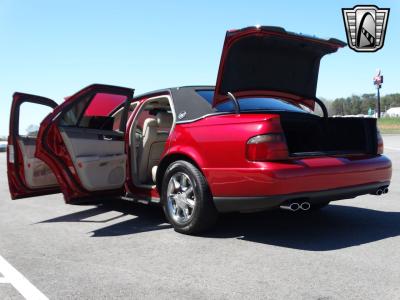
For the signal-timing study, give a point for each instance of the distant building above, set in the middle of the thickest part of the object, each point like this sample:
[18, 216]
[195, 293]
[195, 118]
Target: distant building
[393, 112]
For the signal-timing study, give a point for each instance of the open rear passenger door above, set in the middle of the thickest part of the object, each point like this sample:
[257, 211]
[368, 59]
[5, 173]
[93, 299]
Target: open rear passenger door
[27, 175]
[83, 141]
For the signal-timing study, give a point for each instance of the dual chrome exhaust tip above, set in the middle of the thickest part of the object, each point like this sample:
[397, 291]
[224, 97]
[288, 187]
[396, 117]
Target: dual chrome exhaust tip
[382, 191]
[305, 205]
[295, 206]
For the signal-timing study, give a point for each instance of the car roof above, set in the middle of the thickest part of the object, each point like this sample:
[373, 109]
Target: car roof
[188, 104]
[168, 90]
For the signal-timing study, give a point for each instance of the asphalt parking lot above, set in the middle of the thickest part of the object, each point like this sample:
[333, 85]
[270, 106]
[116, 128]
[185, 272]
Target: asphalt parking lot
[350, 250]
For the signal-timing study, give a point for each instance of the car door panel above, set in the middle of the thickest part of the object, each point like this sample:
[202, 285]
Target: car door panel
[98, 157]
[27, 175]
[37, 174]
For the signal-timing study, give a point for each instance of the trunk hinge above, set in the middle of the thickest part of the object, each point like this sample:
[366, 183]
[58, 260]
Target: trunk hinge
[235, 101]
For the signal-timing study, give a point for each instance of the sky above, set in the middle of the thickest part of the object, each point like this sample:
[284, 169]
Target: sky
[55, 48]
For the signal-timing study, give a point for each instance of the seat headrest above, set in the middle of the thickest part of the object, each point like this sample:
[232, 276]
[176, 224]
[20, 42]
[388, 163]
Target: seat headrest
[164, 119]
[149, 122]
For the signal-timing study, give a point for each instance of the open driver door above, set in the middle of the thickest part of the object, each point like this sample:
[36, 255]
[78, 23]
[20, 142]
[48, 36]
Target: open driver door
[28, 176]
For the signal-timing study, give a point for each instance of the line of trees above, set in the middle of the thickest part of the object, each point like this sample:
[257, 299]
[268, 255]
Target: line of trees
[355, 104]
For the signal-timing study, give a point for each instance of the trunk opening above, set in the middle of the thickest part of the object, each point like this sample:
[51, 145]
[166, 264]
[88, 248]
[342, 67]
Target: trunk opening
[310, 135]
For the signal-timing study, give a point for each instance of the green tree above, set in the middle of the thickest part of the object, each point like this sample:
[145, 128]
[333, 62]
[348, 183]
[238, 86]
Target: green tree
[355, 104]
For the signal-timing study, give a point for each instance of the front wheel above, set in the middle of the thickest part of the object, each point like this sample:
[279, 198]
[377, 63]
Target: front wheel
[186, 199]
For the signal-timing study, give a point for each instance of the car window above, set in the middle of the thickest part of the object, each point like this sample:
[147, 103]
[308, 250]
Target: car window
[30, 117]
[71, 117]
[94, 112]
[144, 115]
[103, 104]
[250, 104]
[118, 116]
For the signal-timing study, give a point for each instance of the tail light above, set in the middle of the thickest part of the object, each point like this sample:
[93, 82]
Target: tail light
[380, 142]
[266, 147]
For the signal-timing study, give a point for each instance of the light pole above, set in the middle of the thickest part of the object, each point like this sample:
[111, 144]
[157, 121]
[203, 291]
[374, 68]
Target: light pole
[378, 80]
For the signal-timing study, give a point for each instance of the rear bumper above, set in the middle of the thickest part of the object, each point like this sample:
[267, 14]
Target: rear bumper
[230, 204]
[259, 179]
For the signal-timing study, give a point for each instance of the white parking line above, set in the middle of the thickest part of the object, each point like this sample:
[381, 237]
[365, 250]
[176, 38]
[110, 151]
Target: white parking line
[20, 283]
[392, 148]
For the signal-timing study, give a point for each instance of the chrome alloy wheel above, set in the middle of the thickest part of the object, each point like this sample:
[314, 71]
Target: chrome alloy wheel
[181, 199]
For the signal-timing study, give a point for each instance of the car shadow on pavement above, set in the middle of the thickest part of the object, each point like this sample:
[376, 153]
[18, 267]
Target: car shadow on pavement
[334, 227]
[146, 218]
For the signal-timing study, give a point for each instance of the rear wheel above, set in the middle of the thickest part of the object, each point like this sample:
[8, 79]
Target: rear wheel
[186, 199]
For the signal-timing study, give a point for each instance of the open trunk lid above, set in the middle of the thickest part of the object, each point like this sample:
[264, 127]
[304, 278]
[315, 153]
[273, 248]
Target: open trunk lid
[269, 61]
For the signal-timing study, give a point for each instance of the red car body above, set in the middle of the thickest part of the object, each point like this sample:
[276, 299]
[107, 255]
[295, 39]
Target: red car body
[217, 143]
[254, 184]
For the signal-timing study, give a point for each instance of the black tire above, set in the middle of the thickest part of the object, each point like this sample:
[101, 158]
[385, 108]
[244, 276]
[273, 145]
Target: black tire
[204, 214]
[319, 206]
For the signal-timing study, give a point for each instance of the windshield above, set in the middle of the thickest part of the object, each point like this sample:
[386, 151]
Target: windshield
[251, 104]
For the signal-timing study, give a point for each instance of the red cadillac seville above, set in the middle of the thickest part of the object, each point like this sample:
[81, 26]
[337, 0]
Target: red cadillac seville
[250, 143]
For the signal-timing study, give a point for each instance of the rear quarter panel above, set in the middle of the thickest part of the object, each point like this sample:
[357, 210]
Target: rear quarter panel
[220, 141]
[217, 144]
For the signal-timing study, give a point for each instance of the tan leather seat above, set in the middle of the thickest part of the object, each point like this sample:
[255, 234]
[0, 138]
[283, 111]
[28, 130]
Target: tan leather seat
[155, 134]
